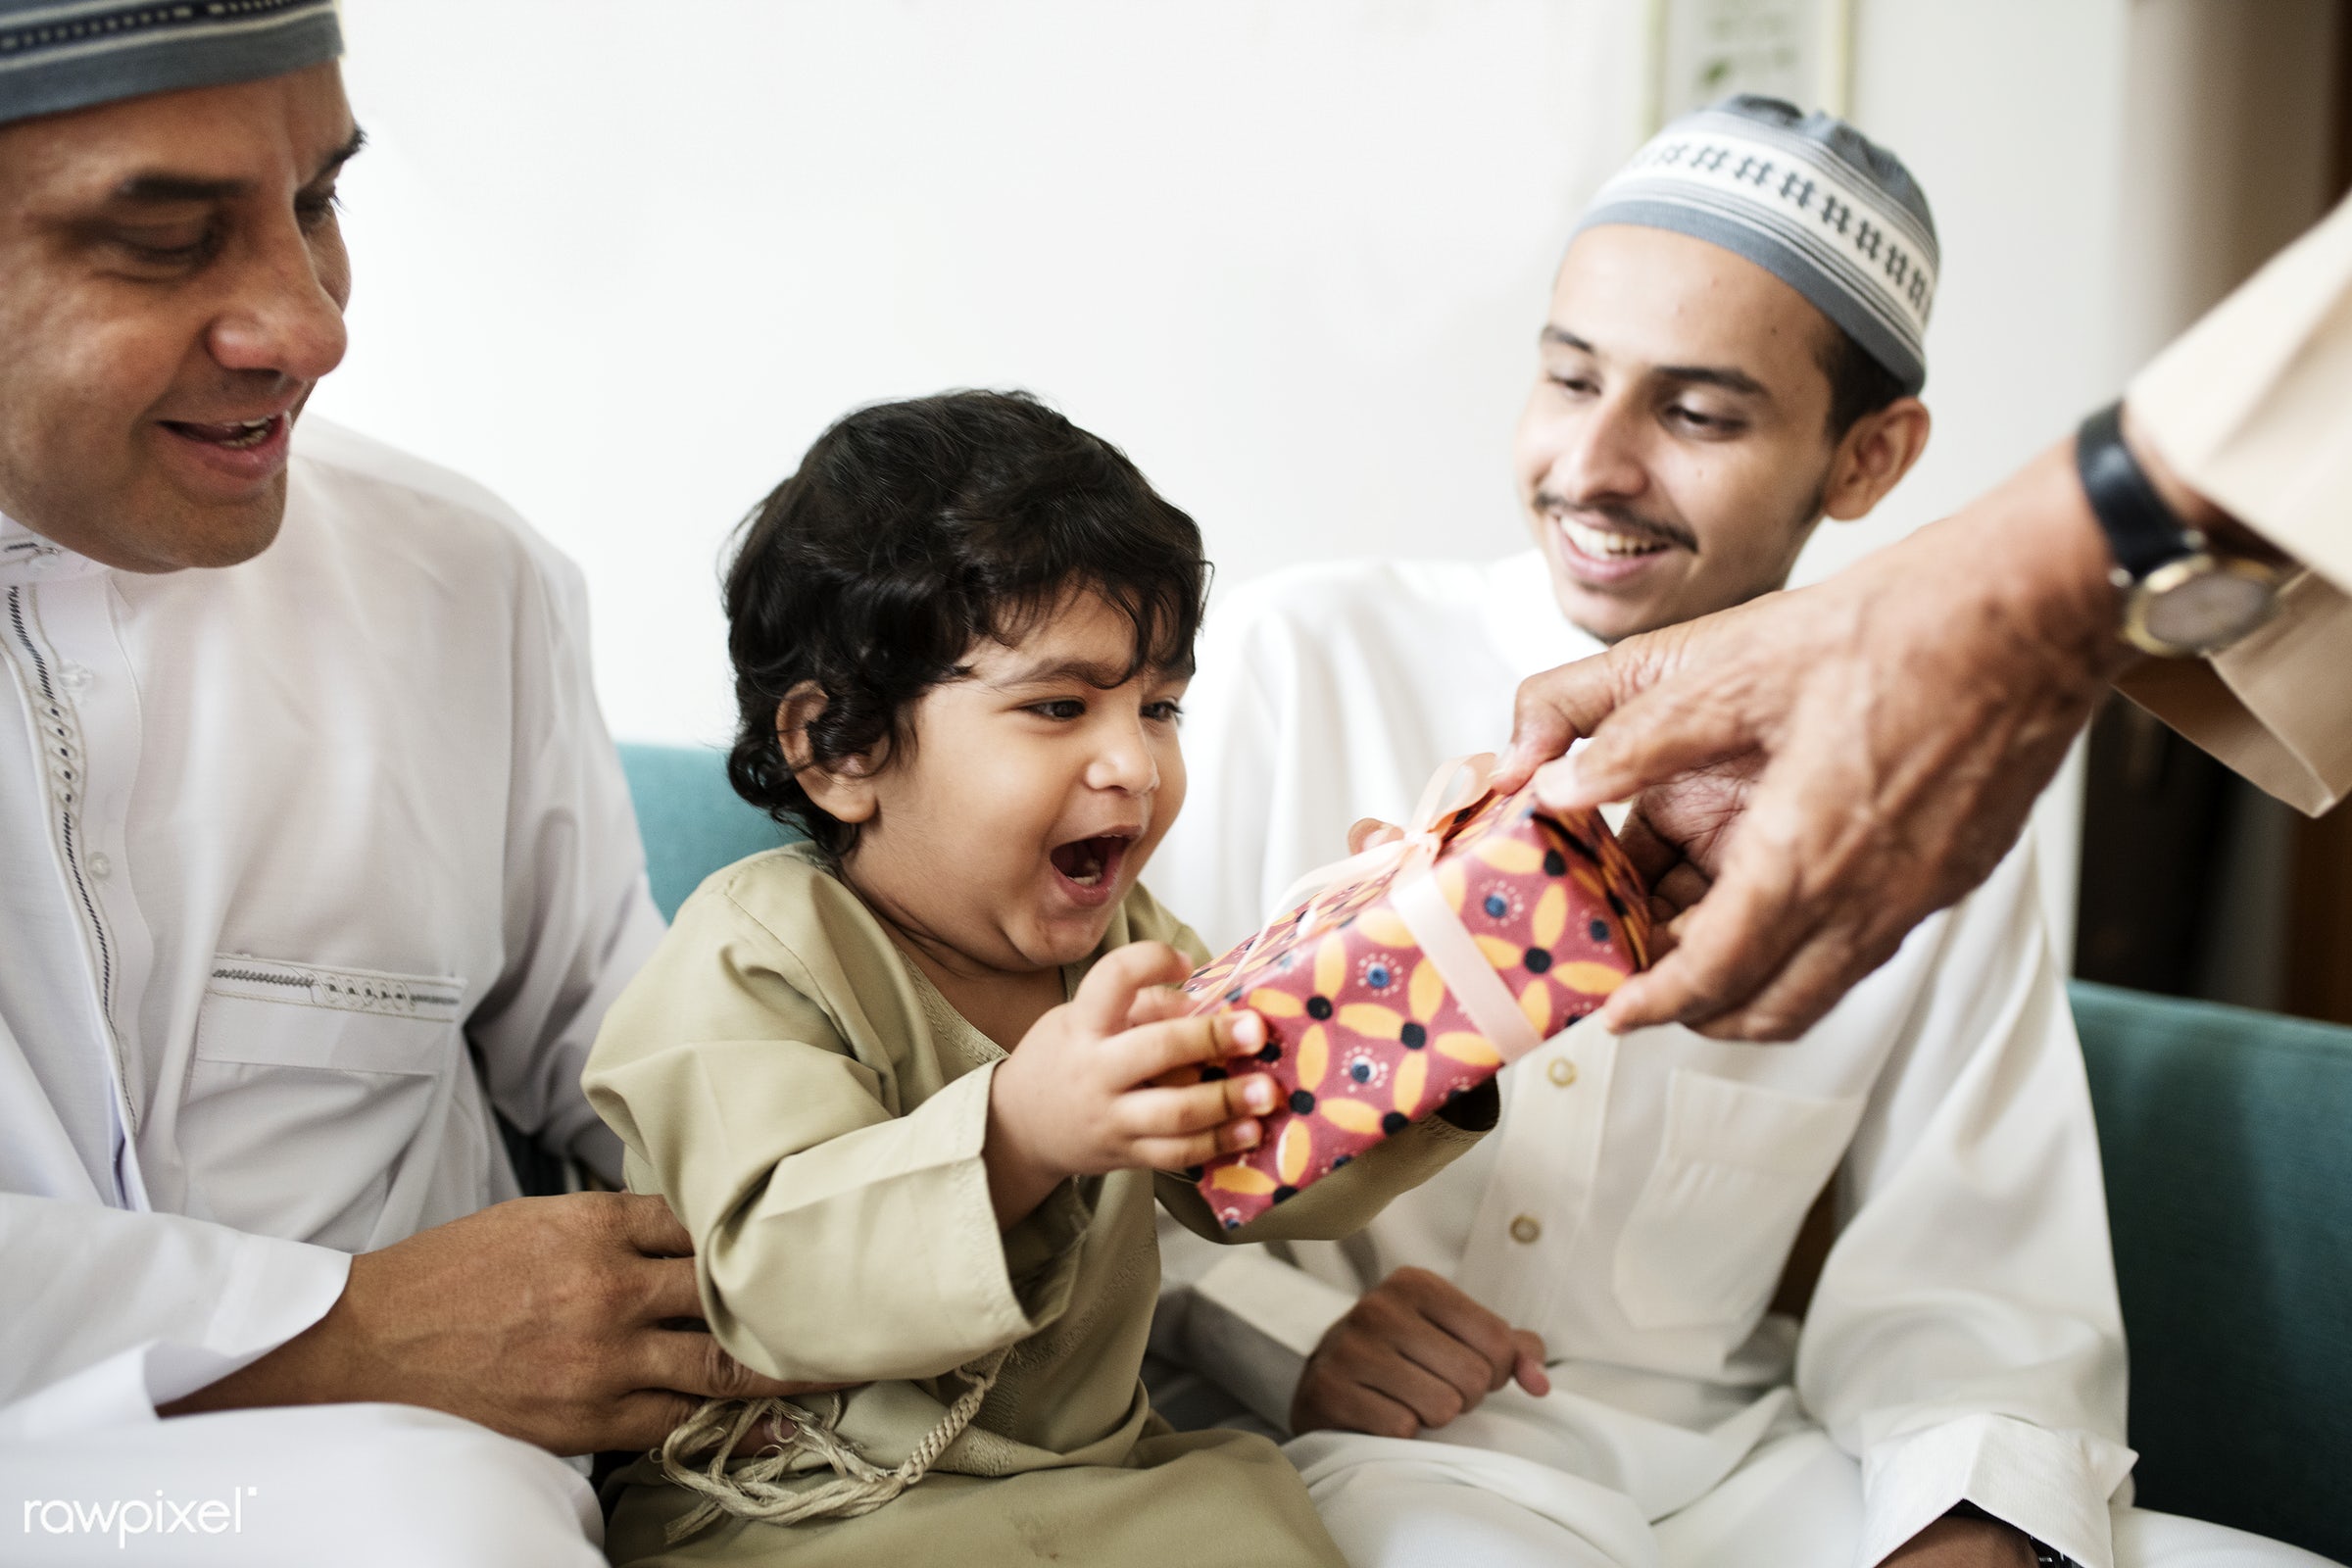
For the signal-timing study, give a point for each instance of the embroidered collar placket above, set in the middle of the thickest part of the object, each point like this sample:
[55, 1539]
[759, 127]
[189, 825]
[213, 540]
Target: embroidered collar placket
[64, 781]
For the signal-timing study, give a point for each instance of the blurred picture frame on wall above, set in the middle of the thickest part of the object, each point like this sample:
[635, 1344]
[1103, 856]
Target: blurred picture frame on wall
[1703, 50]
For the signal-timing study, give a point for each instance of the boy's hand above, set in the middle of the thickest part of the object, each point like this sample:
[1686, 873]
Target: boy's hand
[1079, 1096]
[1413, 1353]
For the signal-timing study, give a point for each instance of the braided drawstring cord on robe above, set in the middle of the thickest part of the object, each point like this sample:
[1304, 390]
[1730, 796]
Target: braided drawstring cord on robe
[697, 1455]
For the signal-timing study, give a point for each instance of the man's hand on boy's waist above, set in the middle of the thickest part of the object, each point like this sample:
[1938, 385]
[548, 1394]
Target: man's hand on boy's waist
[572, 1323]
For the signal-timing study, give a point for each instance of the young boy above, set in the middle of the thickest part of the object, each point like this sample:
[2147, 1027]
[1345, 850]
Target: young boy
[899, 1082]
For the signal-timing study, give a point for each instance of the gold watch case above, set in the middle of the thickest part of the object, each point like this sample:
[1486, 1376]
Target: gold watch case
[2199, 604]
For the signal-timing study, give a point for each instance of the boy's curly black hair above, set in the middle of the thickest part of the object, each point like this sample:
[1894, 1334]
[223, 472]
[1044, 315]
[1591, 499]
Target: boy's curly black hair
[912, 531]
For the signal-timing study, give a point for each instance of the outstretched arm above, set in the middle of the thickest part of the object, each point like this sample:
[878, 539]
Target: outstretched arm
[1819, 770]
[1843, 760]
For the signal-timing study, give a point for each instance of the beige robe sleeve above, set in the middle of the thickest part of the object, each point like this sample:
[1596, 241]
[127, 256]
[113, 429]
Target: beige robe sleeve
[1346, 1201]
[2253, 407]
[837, 1239]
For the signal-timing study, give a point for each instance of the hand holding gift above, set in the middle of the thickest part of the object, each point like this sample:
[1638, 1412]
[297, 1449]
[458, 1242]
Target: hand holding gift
[1122, 1076]
[1421, 966]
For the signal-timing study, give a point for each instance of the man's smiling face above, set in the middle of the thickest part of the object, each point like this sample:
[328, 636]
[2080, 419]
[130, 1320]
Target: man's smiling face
[1675, 452]
[171, 286]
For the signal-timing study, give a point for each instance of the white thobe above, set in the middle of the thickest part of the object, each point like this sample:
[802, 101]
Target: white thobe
[307, 862]
[1639, 1201]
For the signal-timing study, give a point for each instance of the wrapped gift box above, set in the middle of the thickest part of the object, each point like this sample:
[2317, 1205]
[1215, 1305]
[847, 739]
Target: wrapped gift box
[1367, 991]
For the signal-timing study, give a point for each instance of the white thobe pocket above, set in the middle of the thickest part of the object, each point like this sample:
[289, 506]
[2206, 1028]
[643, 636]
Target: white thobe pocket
[1737, 1167]
[320, 1101]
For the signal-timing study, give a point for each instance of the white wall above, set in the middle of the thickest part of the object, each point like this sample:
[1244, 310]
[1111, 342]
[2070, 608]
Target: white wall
[2010, 114]
[1290, 252]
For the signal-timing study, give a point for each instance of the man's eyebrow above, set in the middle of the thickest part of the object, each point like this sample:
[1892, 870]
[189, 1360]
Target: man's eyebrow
[162, 189]
[1725, 377]
[342, 155]
[156, 190]
[1728, 377]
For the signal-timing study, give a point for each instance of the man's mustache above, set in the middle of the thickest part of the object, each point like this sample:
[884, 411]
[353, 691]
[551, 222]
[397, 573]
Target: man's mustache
[1617, 516]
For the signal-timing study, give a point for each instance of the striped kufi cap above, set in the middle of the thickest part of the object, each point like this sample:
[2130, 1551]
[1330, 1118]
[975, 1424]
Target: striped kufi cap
[57, 55]
[1806, 197]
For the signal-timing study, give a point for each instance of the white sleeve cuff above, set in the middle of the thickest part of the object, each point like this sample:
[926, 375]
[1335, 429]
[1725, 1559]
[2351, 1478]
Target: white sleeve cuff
[276, 1290]
[271, 1291]
[1252, 1322]
[2054, 1486]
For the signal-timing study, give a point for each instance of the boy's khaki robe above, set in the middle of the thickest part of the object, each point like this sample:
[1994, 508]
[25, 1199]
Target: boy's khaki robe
[814, 1111]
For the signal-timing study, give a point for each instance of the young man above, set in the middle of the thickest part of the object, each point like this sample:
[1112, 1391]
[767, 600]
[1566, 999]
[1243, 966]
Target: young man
[313, 849]
[1560, 1351]
[2204, 520]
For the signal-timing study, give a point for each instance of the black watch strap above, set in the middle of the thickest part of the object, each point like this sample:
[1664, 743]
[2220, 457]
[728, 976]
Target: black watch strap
[2142, 532]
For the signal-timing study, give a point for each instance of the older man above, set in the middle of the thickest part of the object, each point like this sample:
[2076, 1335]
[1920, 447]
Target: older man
[1733, 351]
[313, 851]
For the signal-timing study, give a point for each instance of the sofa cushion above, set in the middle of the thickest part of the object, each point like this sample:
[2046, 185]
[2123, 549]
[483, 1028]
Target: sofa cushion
[691, 820]
[2227, 1142]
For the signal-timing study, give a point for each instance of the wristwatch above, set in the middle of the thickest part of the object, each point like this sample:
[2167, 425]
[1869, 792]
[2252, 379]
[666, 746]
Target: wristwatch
[2181, 598]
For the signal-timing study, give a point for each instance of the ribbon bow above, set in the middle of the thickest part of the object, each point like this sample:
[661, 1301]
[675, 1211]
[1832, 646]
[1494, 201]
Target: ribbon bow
[1410, 862]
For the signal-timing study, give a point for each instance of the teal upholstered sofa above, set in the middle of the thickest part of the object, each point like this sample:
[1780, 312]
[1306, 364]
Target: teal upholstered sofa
[2228, 1139]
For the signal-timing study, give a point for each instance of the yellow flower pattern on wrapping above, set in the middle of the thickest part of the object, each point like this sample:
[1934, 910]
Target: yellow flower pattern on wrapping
[1364, 1035]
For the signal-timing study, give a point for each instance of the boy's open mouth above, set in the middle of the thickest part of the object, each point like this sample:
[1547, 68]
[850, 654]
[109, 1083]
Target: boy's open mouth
[1091, 863]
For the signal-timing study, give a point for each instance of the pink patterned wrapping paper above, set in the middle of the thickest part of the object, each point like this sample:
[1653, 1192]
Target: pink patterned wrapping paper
[1367, 1036]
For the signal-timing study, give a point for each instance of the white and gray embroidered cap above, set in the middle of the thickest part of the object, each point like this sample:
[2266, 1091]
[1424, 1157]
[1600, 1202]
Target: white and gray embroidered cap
[57, 55]
[1806, 197]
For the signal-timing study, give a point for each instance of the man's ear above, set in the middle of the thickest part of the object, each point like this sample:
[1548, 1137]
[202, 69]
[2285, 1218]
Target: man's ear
[844, 791]
[1874, 457]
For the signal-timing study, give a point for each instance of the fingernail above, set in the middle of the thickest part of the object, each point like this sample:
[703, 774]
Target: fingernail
[1248, 1030]
[1258, 1093]
[1555, 782]
[1246, 1134]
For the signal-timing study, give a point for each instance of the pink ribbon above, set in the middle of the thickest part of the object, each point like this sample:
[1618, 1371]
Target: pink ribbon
[1415, 897]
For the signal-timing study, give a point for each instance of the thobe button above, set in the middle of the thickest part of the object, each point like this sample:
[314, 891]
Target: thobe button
[1526, 1228]
[1562, 1071]
[76, 678]
[101, 868]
